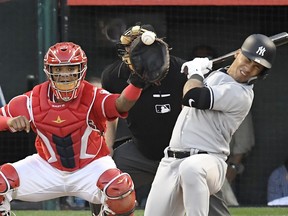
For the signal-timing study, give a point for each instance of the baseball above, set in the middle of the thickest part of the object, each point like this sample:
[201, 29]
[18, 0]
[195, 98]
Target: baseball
[148, 37]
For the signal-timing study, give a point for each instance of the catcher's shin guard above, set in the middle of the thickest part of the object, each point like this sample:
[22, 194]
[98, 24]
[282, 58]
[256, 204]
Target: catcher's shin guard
[9, 179]
[118, 191]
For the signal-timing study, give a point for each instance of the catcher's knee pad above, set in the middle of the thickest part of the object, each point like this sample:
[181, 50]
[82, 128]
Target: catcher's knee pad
[9, 178]
[118, 190]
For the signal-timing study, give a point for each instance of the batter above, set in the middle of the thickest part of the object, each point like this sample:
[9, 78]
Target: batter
[194, 166]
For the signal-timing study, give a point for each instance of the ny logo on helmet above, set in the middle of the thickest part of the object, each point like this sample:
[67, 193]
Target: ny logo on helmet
[261, 50]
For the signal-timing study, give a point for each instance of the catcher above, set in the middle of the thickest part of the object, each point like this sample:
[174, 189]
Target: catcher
[69, 116]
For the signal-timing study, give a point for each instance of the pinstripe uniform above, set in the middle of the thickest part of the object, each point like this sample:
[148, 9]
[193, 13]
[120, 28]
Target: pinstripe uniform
[183, 181]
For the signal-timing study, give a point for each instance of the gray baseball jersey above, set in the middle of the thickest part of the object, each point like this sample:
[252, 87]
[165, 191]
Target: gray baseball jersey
[243, 139]
[230, 103]
[185, 183]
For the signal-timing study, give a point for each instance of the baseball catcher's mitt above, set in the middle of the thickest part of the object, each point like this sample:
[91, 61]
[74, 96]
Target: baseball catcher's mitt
[149, 62]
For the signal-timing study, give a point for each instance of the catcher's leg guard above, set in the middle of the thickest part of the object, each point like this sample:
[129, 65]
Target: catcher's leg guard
[9, 179]
[119, 194]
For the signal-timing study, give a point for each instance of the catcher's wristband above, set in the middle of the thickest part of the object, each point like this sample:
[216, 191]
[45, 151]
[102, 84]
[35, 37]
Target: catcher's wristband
[132, 93]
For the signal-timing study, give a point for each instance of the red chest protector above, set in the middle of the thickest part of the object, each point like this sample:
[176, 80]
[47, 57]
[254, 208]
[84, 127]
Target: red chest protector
[65, 138]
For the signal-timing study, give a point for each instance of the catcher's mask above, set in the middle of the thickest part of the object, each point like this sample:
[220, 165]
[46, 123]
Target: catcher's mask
[261, 49]
[65, 65]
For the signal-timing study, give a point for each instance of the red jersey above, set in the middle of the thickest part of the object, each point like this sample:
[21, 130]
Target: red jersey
[70, 134]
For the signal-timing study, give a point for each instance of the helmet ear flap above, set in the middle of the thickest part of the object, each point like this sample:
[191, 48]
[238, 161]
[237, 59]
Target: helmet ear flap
[261, 76]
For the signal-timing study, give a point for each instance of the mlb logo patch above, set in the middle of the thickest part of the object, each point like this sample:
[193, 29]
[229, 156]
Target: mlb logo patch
[163, 108]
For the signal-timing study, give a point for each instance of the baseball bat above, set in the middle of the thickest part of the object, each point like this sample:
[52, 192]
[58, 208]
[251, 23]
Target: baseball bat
[279, 40]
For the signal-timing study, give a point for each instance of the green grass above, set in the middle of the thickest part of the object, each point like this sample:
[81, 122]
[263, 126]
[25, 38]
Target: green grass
[52, 213]
[274, 211]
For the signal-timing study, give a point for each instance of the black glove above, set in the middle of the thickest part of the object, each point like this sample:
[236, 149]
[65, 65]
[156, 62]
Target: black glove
[135, 80]
[149, 62]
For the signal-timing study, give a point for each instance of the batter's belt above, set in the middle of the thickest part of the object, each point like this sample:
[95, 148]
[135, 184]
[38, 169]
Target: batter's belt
[182, 154]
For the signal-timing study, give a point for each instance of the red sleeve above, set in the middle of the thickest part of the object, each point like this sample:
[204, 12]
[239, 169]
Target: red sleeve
[16, 107]
[19, 106]
[3, 123]
[105, 105]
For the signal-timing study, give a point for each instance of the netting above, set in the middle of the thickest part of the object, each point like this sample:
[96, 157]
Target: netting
[223, 28]
[96, 29]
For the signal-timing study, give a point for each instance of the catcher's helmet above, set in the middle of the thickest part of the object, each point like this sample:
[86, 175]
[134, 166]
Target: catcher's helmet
[259, 48]
[63, 54]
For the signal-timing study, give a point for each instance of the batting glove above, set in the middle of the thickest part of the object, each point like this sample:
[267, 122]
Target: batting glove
[200, 66]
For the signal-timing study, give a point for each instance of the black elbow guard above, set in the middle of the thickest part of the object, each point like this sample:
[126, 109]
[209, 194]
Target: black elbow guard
[199, 98]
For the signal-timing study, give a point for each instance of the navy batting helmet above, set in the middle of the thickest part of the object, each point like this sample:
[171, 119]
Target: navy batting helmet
[259, 48]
